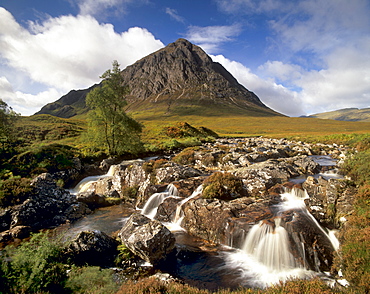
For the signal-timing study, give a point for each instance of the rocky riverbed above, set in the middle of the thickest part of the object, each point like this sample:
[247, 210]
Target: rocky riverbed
[220, 193]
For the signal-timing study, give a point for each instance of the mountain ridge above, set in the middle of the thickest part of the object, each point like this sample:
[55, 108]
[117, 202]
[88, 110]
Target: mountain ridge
[345, 114]
[178, 78]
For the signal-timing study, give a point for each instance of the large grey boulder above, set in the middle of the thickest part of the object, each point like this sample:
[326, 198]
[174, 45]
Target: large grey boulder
[146, 238]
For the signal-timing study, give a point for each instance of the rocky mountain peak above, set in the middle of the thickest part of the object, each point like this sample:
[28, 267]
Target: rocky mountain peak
[178, 77]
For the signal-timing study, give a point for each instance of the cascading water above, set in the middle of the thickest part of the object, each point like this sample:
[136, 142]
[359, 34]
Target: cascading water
[266, 256]
[179, 213]
[294, 199]
[270, 246]
[86, 183]
[151, 206]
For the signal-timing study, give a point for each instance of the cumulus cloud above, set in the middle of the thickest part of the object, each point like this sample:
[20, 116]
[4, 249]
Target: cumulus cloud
[26, 103]
[211, 37]
[272, 94]
[69, 52]
[321, 50]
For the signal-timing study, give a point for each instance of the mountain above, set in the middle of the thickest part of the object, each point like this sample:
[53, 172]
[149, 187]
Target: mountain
[178, 79]
[346, 114]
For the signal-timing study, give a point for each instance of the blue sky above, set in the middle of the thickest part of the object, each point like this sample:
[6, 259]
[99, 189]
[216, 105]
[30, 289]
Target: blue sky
[299, 57]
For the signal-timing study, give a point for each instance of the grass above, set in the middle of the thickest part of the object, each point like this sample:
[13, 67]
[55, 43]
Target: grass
[274, 126]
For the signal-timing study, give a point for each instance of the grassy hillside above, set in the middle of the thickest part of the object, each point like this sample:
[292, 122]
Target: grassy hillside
[49, 129]
[347, 114]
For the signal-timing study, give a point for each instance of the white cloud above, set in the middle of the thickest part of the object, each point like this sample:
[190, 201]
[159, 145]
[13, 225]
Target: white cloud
[69, 52]
[281, 71]
[102, 8]
[211, 37]
[174, 14]
[322, 50]
[273, 95]
[25, 103]
[253, 6]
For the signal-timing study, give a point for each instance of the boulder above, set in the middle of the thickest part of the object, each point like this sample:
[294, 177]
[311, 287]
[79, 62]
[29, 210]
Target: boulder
[171, 172]
[92, 200]
[46, 207]
[92, 248]
[147, 238]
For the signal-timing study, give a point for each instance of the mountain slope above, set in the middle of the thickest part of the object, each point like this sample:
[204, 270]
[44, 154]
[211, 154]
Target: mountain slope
[347, 114]
[178, 79]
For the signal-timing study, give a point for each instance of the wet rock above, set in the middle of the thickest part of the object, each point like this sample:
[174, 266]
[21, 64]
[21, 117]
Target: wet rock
[210, 219]
[329, 200]
[18, 232]
[46, 207]
[76, 211]
[5, 219]
[147, 238]
[93, 200]
[92, 248]
[309, 243]
[167, 210]
[174, 172]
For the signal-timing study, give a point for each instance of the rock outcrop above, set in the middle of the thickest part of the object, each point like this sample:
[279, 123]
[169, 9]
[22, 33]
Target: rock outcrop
[92, 248]
[47, 206]
[147, 238]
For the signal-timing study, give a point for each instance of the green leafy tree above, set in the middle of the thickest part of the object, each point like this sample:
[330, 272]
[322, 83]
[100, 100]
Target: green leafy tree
[109, 125]
[7, 118]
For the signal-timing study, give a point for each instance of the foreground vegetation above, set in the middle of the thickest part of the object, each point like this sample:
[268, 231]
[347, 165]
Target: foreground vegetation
[44, 143]
[39, 266]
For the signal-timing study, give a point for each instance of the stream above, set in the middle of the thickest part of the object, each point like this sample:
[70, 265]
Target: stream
[264, 258]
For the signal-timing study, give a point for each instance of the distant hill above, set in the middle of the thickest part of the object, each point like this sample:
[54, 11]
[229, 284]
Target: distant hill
[180, 79]
[346, 114]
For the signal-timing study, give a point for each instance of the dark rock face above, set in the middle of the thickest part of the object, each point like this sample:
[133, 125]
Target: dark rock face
[309, 241]
[93, 248]
[147, 238]
[48, 206]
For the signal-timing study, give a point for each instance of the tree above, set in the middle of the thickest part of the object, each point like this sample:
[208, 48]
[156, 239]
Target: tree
[7, 117]
[109, 125]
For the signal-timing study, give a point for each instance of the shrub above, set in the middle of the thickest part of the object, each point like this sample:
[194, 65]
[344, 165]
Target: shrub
[34, 267]
[91, 280]
[14, 191]
[223, 186]
[186, 156]
[130, 192]
[358, 167]
[51, 158]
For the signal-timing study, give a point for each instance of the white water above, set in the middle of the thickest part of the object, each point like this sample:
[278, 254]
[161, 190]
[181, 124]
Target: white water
[151, 206]
[270, 246]
[87, 183]
[253, 273]
[179, 216]
[265, 258]
[294, 199]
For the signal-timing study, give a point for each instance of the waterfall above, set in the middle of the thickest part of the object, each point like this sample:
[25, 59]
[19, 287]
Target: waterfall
[85, 184]
[265, 258]
[294, 199]
[179, 213]
[151, 206]
[270, 246]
